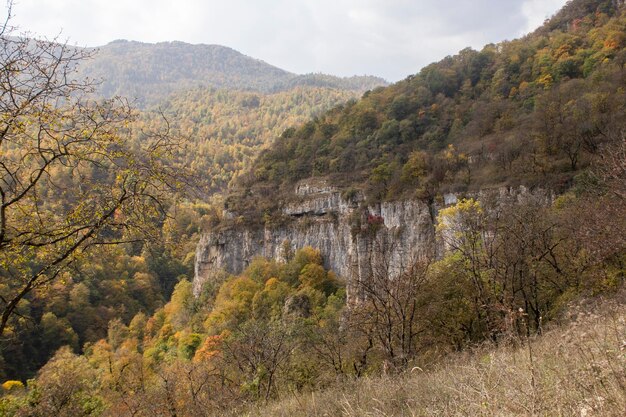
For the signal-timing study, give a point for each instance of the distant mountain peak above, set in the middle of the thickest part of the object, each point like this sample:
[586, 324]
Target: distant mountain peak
[149, 72]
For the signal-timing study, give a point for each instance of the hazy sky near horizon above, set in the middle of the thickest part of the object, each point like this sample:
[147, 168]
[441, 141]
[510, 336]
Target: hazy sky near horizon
[388, 38]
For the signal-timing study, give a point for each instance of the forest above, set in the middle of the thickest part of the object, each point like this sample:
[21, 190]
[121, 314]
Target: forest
[102, 205]
[527, 111]
[210, 136]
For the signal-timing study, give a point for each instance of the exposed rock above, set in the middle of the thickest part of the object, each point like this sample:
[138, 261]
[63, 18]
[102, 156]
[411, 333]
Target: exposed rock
[311, 187]
[297, 306]
[318, 198]
[449, 199]
[353, 239]
[350, 238]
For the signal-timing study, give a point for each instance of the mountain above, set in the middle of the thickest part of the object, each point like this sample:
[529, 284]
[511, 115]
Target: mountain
[480, 201]
[224, 107]
[533, 111]
[514, 126]
[150, 72]
[526, 119]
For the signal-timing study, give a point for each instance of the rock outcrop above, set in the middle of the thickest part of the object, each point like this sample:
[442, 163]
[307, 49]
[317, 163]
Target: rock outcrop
[352, 239]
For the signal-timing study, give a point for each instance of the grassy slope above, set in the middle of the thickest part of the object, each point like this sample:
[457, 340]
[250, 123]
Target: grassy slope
[578, 369]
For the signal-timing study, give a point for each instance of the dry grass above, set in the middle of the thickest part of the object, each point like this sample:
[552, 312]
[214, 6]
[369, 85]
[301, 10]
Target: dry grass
[578, 369]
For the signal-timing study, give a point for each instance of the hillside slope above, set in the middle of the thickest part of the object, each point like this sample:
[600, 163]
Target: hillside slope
[574, 370]
[226, 129]
[519, 122]
[532, 111]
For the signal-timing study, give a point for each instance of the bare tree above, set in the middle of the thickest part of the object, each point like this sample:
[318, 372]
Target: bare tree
[388, 310]
[71, 175]
[514, 252]
[611, 167]
[260, 351]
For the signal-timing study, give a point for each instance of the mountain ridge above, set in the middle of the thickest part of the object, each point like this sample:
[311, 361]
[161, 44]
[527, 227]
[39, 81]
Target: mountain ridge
[149, 72]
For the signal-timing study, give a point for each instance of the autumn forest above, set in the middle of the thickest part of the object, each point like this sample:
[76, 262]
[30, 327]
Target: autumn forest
[115, 163]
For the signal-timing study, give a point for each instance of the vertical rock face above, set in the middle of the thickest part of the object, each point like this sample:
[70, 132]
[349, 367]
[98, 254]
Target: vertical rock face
[351, 238]
[355, 241]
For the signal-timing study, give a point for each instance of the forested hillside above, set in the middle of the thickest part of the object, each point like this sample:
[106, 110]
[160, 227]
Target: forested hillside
[224, 130]
[150, 72]
[467, 326]
[217, 131]
[532, 111]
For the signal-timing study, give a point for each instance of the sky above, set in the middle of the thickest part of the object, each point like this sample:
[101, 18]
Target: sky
[387, 38]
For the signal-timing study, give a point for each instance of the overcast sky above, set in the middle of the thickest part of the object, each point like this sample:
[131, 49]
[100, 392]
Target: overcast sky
[388, 38]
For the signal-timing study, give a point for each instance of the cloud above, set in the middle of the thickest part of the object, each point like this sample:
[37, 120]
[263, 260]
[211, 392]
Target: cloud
[537, 11]
[390, 38]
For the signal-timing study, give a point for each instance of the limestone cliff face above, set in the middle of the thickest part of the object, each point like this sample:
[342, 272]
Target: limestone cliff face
[352, 239]
[355, 240]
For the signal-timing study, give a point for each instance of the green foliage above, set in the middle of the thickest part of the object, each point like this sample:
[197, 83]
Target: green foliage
[188, 344]
[526, 111]
[57, 332]
[316, 277]
[180, 309]
[268, 303]
[65, 386]
[233, 303]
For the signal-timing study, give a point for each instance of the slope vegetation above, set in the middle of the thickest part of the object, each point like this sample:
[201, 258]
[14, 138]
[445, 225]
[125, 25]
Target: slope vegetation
[574, 370]
[533, 111]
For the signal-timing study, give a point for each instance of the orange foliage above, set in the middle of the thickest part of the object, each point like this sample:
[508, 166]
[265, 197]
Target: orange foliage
[209, 349]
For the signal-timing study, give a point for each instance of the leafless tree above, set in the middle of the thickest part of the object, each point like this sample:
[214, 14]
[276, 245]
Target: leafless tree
[260, 351]
[71, 175]
[389, 304]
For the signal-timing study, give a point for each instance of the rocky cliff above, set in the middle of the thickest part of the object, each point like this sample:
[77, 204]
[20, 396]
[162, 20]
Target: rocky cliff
[353, 238]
